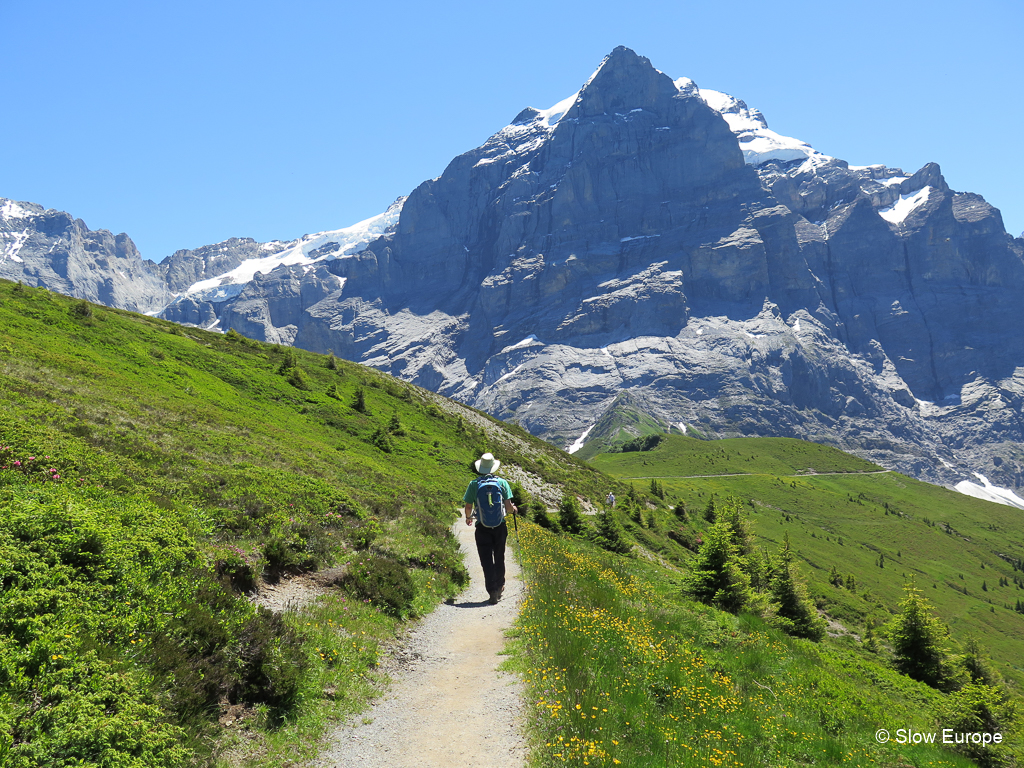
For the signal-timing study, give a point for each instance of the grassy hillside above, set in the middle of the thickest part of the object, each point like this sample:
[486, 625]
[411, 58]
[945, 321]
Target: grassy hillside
[624, 669]
[151, 476]
[677, 456]
[622, 421]
[883, 529]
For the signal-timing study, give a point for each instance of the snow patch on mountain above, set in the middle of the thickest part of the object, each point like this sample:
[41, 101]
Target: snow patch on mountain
[11, 209]
[549, 117]
[989, 492]
[529, 341]
[13, 243]
[758, 142]
[308, 250]
[906, 205]
[578, 443]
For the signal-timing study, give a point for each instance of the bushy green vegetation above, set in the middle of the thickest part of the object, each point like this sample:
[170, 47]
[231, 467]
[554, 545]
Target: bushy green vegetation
[153, 476]
[623, 670]
[857, 534]
[864, 538]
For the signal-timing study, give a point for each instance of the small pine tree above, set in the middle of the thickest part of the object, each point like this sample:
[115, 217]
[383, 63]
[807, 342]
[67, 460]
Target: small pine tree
[851, 582]
[980, 708]
[297, 378]
[731, 511]
[634, 509]
[332, 362]
[870, 637]
[761, 569]
[570, 517]
[539, 514]
[717, 573]
[289, 361]
[680, 512]
[382, 440]
[360, 402]
[709, 509]
[978, 664]
[795, 613]
[520, 497]
[919, 642]
[651, 521]
[834, 577]
[610, 533]
[395, 426]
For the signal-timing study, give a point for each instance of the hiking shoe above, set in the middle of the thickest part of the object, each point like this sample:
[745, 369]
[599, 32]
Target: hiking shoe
[493, 599]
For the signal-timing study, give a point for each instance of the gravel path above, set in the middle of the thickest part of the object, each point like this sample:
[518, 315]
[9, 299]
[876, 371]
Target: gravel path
[448, 705]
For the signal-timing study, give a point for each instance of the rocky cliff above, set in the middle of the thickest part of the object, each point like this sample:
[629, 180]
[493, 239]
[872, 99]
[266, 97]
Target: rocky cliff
[50, 248]
[645, 236]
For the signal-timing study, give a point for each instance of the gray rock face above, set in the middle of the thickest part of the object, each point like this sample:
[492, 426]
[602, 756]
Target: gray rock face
[651, 238]
[184, 268]
[627, 245]
[51, 249]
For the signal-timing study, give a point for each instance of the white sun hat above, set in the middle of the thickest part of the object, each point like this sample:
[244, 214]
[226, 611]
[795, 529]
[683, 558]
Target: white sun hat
[487, 464]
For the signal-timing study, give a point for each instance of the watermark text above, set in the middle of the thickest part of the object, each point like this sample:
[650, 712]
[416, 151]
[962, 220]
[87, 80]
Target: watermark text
[945, 736]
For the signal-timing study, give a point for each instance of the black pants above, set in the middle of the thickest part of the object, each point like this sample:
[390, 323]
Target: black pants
[490, 545]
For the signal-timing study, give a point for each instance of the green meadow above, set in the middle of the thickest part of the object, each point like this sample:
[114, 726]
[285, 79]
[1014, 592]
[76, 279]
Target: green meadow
[882, 528]
[151, 477]
[626, 667]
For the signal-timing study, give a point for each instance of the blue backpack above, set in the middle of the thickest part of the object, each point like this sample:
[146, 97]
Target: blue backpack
[489, 502]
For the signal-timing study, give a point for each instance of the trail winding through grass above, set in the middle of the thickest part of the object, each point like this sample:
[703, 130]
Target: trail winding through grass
[448, 705]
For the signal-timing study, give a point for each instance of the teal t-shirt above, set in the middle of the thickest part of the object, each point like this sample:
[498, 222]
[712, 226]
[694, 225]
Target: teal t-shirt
[470, 496]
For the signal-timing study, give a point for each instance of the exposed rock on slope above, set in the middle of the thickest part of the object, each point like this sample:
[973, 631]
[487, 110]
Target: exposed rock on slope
[50, 248]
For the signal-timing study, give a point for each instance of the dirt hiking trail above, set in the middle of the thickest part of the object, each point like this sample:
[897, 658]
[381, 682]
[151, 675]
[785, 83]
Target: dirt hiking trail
[448, 706]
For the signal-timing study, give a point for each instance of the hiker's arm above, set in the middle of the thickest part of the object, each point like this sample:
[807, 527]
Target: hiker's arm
[510, 508]
[469, 512]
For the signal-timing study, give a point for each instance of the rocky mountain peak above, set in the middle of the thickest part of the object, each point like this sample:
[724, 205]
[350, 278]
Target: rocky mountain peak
[930, 175]
[643, 241]
[623, 83]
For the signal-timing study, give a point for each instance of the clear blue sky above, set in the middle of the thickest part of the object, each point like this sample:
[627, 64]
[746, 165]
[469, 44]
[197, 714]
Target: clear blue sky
[189, 122]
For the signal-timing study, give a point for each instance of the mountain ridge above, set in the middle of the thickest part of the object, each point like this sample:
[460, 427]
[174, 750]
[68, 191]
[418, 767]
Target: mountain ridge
[636, 238]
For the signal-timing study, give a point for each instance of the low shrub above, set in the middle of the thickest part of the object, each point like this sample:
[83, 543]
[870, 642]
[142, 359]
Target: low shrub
[272, 663]
[446, 561]
[240, 568]
[382, 581]
[192, 655]
[286, 552]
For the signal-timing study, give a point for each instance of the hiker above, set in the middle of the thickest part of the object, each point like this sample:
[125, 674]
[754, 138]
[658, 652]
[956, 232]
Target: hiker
[492, 497]
[610, 501]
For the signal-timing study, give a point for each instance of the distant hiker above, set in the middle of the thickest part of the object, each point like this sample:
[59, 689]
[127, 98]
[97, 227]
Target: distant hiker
[610, 501]
[492, 497]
